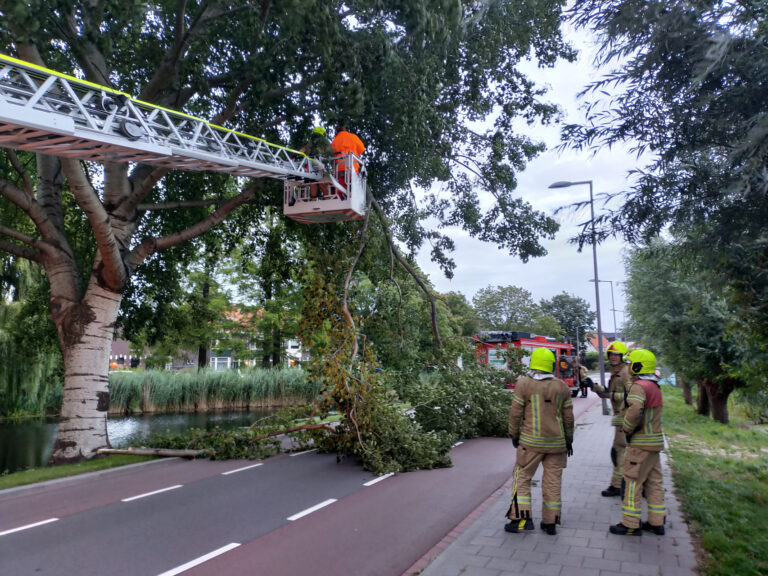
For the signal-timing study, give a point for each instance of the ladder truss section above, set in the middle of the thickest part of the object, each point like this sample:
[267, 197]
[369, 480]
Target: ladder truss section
[44, 111]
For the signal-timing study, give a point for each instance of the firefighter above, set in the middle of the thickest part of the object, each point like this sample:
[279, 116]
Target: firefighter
[618, 384]
[642, 464]
[541, 428]
[319, 148]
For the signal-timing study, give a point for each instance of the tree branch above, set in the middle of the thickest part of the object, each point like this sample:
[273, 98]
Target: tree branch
[21, 251]
[28, 188]
[149, 246]
[344, 306]
[178, 204]
[115, 273]
[27, 205]
[404, 263]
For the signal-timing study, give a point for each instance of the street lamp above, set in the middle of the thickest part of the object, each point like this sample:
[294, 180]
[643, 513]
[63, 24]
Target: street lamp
[601, 360]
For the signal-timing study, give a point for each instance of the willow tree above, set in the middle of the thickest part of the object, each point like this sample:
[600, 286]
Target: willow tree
[409, 77]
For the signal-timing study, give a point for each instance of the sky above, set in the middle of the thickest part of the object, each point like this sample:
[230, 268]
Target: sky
[563, 269]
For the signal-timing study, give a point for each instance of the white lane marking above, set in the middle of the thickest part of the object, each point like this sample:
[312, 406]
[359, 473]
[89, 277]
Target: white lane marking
[241, 469]
[197, 561]
[313, 509]
[379, 479]
[305, 452]
[457, 444]
[151, 493]
[28, 526]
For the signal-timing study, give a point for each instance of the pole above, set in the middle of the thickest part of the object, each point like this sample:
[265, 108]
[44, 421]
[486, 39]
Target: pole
[600, 358]
[613, 307]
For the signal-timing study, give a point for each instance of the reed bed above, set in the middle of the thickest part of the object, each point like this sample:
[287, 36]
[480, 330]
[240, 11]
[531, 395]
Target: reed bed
[163, 391]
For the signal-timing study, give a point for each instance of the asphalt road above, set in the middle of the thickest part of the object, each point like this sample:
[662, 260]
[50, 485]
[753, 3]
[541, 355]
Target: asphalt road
[298, 514]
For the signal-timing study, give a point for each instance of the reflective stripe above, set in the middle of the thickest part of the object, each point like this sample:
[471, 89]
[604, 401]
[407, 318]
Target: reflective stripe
[536, 415]
[648, 420]
[524, 499]
[630, 512]
[542, 442]
[617, 475]
[553, 505]
[515, 398]
[568, 403]
[658, 509]
[617, 421]
[636, 397]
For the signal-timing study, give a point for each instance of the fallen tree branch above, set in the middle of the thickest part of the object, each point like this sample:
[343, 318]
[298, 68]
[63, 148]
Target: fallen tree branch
[344, 306]
[164, 452]
[404, 262]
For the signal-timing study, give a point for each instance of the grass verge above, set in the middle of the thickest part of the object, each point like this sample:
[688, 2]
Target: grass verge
[34, 475]
[721, 477]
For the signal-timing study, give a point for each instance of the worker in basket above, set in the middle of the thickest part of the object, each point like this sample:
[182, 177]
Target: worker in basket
[344, 143]
[318, 148]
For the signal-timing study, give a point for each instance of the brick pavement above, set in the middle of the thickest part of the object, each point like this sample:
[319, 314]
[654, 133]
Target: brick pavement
[583, 545]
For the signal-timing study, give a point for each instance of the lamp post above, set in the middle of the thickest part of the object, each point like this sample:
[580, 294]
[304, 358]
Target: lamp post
[601, 360]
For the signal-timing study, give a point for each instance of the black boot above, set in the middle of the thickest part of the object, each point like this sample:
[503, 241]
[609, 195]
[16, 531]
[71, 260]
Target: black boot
[611, 491]
[549, 528]
[516, 526]
[622, 530]
[658, 530]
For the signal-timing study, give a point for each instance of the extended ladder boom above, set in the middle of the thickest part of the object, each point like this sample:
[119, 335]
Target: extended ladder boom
[44, 111]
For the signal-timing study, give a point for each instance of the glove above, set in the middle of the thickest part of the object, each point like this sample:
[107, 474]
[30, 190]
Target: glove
[588, 383]
[628, 437]
[569, 448]
[515, 442]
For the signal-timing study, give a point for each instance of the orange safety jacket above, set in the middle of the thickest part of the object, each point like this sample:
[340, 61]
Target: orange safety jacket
[346, 142]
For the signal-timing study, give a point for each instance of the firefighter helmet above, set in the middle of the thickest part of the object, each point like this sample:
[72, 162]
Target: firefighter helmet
[543, 359]
[642, 361]
[617, 347]
[319, 130]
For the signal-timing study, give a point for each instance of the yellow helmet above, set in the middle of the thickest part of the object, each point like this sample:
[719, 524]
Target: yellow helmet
[543, 359]
[642, 361]
[319, 130]
[616, 347]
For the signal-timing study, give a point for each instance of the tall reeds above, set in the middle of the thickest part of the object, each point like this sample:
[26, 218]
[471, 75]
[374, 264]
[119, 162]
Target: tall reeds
[163, 391]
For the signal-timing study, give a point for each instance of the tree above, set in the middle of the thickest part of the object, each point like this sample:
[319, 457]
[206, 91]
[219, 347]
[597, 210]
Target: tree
[572, 313]
[408, 76]
[688, 89]
[678, 310]
[513, 308]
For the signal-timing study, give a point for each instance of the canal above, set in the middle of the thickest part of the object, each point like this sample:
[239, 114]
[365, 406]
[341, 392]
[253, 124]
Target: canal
[28, 443]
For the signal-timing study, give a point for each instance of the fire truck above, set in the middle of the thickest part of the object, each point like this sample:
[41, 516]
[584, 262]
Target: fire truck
[491, 349]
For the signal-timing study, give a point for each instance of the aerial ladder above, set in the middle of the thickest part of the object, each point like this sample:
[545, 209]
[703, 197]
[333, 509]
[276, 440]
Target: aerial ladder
[44, 111]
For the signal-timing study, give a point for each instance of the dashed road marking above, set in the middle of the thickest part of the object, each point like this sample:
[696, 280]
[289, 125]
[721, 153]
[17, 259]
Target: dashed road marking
[457, 444]
[28, 526]
[305, 452]
[197, 561]
[241, 469]
[379, 479]
[314, 508]
[151, 493]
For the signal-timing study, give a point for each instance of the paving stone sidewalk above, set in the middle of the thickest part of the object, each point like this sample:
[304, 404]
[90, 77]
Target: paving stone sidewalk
[583, 545]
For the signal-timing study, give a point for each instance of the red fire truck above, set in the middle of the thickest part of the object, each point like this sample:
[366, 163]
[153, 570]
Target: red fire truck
[491, 347]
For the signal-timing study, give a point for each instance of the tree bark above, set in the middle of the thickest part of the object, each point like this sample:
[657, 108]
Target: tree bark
[702, 401]
[85, 330]
[686, 386]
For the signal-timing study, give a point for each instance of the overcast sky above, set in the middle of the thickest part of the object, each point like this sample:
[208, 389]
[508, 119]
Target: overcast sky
[563, 269]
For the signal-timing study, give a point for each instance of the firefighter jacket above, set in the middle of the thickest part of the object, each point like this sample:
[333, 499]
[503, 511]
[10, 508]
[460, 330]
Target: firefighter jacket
[618, 385]
[642, 419]
[541, 416]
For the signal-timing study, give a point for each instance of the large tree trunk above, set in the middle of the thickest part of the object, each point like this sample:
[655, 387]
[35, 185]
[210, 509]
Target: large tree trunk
[702, 401]
[718, 398]
[686, 386]
[85, 330]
